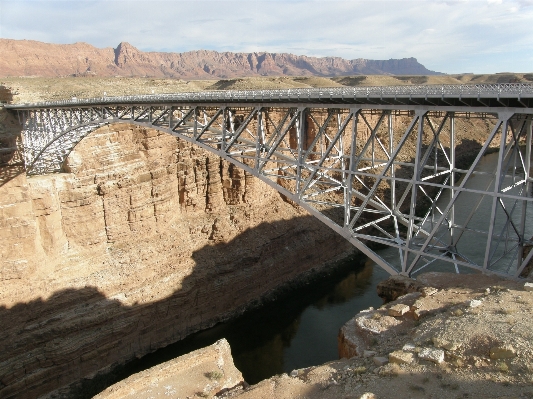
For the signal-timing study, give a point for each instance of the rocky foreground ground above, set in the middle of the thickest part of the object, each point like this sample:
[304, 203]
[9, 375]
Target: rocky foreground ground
[452, 336]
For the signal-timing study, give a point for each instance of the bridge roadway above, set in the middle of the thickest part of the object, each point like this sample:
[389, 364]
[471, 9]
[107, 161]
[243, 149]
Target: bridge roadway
[376, 164]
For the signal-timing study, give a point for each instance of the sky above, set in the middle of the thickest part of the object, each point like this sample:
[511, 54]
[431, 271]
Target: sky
[455, 36]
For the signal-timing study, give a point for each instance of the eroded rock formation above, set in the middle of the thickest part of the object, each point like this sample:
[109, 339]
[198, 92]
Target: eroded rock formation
[144, 240]
[32, 58]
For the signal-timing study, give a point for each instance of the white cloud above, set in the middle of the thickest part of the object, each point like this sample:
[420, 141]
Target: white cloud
[448, 36]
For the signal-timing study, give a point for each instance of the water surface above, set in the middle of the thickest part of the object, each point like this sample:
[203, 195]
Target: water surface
[298, 330]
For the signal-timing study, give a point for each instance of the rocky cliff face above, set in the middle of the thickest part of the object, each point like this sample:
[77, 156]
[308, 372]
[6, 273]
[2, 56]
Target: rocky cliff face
[31, 58]
[142, 241]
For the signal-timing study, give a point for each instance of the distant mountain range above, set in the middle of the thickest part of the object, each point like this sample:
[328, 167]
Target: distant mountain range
[32, 58]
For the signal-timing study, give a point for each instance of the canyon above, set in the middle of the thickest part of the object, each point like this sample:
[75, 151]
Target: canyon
[32, 58]
[140, 241]
[143, 240]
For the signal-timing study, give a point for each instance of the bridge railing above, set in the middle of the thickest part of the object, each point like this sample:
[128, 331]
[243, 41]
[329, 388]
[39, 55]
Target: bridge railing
[307, 94]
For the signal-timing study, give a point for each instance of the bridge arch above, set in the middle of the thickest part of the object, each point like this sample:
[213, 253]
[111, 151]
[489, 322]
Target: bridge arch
[375, 175]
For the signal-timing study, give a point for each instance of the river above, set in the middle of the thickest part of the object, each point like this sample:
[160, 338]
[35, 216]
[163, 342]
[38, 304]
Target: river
[300, 329]
[295, 331]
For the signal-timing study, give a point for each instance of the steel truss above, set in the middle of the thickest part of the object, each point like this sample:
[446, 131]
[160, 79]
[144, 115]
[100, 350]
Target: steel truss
[379, 175]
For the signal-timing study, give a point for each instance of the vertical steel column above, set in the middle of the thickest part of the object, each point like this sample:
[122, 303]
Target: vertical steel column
[300, 140]
[341, 145]
[414, 186]
[224, 123]
[452, 177]
[195, 129]
[231, 122]
[393, 207]
[349, 176]
[260, 138]
[392, 168]
[498, 179]
[525, 193]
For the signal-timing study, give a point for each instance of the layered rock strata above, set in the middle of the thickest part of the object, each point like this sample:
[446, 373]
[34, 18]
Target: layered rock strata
[32, 58]
[143, 240]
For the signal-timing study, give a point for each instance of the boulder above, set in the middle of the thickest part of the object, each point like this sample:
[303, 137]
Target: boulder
[432, 354]
[396, 286]
[401, 357]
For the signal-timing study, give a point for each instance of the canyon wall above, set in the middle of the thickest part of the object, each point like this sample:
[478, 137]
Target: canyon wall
[143, 240]
[32, 58]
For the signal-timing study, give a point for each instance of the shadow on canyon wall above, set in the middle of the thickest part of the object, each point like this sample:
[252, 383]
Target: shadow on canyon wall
[8, 173]
[11, 151]
[67, 338]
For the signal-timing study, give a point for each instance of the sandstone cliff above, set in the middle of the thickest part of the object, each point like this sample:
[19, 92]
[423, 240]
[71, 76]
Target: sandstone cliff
[142, 241]
[32, 58]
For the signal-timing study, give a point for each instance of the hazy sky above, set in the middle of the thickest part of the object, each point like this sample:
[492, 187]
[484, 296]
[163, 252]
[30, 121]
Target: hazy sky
[481, 36]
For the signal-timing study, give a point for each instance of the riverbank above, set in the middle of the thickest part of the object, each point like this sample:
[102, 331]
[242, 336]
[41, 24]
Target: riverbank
[267, 338]
[456, 336]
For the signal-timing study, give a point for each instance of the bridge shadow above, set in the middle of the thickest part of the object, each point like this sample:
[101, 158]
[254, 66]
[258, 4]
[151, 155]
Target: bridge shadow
[68, 337]
[10, 172]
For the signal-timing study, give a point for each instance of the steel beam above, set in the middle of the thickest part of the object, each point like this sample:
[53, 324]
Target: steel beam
[357, 185]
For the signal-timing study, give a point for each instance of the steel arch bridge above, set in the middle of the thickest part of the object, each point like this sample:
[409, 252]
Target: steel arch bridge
[376, 164]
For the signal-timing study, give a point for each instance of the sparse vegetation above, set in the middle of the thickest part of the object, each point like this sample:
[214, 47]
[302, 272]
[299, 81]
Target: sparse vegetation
[451, 386]
[502, 366]
[458, 312]
[214, 375]
[507, 311]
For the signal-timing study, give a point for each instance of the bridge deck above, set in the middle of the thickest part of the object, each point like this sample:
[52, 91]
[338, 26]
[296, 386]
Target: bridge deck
[511, 95]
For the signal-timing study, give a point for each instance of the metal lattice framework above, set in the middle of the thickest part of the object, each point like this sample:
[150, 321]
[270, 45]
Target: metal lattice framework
[377, 165]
